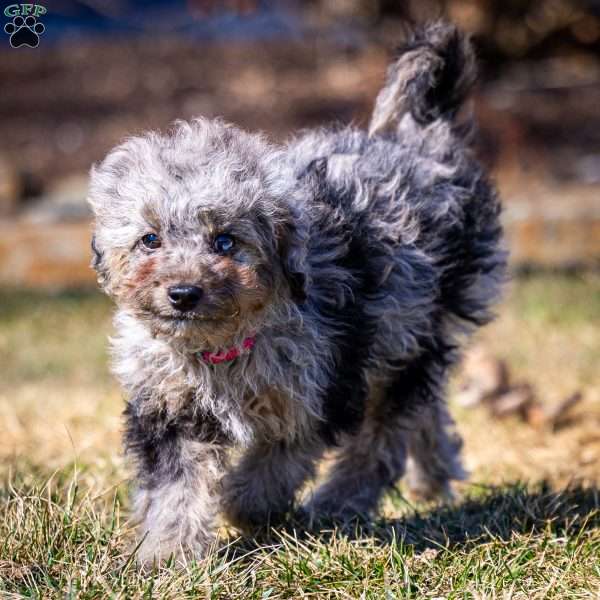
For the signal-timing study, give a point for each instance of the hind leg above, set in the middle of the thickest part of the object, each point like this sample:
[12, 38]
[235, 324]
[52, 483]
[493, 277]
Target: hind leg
[433, 445]
[407, 427]
[433, 453]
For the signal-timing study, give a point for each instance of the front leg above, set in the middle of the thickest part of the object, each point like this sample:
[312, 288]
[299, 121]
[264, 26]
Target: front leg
[261, 488]
[179, 467]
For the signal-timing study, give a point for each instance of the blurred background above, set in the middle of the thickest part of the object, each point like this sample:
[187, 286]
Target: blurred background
[105, 69]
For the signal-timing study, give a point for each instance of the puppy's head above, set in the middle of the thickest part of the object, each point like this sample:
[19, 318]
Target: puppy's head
[196, 232]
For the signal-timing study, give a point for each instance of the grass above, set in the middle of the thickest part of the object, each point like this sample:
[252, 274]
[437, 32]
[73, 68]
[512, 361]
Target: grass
[527, 524]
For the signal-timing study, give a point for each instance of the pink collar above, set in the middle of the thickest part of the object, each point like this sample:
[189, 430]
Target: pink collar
[214, 358]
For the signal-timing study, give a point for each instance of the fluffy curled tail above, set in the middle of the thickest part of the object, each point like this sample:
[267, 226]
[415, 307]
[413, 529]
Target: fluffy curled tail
[430, 78]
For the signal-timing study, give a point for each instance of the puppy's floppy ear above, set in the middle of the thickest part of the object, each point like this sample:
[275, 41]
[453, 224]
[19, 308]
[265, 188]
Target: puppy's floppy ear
[106, 176]
[293, 234]
[292, 254]
[98, 255]
[99, 264]
[98, 180]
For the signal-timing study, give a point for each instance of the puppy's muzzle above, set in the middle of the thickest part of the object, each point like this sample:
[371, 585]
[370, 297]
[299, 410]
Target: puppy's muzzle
[184, 297]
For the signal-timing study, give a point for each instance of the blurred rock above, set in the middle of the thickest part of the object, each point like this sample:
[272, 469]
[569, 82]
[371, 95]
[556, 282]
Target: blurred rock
[557, 415]
[535, 415]
[485, 376]
[486, 382]
[64, 201]
[515, 400]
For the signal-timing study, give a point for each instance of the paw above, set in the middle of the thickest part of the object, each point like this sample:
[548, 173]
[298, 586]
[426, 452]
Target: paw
[248, 505]
[434, 484]
[251, 514]
[424, 487]
[154, 550]
[328, 508]
[430, 491]
[174, 523]
[152, 553]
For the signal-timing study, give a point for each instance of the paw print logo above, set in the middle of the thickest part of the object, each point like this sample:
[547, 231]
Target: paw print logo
[24, 31]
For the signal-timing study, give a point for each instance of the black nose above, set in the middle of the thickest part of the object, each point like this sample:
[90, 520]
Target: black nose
[184, 297]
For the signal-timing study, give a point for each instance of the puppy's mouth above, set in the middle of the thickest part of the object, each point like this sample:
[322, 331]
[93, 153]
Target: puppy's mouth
[193, 317]
[184, 317]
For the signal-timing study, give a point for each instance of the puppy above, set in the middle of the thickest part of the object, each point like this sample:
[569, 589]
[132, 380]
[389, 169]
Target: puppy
[284, 299]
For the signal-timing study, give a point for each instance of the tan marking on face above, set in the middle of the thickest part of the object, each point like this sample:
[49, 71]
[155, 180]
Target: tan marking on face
[251, 292]
[137, 285]
[145, 271]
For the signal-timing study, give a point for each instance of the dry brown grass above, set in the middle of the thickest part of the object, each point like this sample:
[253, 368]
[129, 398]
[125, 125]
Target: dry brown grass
[63, 494]
[548, 332]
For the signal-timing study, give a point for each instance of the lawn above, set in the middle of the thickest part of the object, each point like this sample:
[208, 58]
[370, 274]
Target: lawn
[526, 524]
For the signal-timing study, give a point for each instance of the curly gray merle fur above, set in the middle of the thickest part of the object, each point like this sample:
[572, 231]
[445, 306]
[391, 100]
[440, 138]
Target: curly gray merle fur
[356, 262]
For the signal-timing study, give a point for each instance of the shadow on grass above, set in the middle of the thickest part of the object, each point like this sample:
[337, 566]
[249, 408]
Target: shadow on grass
[490, 514]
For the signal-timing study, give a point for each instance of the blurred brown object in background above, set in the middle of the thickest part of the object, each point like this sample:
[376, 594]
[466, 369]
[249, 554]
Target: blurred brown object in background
[486, 382]
[10, 187]
[484, 377]
[515, 400]
[558, 415]
[37, 256]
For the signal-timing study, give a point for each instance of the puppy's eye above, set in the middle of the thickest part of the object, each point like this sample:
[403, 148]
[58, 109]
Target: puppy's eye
[151, 241]
[223, 243]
